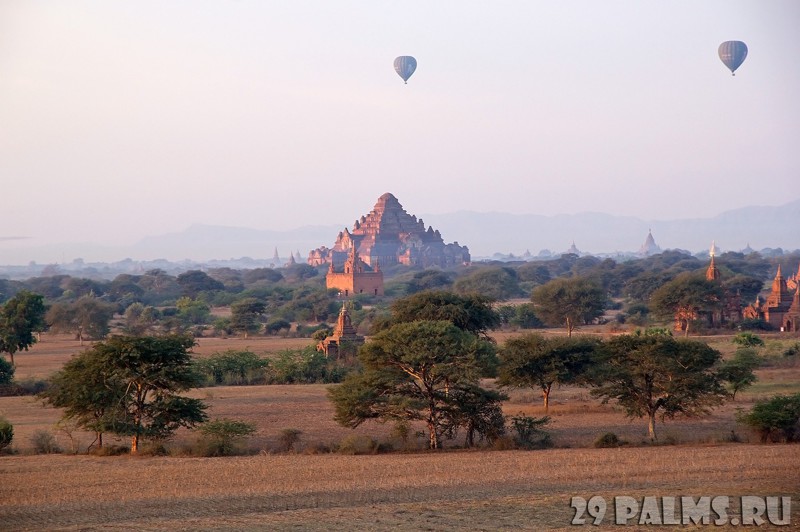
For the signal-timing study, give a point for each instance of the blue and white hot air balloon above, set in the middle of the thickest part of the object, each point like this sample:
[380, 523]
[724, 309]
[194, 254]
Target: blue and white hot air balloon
[733, 53]
[405, 65]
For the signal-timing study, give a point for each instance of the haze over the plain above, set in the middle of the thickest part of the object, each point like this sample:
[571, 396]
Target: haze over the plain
[120, 120]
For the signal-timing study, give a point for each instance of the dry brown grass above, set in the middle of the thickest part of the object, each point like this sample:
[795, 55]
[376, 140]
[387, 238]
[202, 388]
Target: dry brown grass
[443, 491]
[433, 491]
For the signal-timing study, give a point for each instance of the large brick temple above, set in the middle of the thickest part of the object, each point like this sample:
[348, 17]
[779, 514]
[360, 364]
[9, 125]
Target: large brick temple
[389, 235]
[386, 236]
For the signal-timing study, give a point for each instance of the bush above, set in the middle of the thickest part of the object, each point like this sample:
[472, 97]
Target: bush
[233, 368]
[793, 350]
[358, 444]
[529, 433]
[306, 366]
[608, 440]
[44, 443]
[776, 419]
[6, 372]
[6, 433]
[222, 437]
[750, 324]
[110, 450]
[289, 438]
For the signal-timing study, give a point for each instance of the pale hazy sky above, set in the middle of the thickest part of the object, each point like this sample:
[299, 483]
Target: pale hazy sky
[125, 119]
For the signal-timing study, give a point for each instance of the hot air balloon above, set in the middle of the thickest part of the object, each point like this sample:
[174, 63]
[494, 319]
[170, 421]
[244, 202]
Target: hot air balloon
[733, 53]
[405, 65]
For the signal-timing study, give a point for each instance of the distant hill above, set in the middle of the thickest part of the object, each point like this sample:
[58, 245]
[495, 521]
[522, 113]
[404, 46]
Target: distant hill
[488, 233]
[484, 233]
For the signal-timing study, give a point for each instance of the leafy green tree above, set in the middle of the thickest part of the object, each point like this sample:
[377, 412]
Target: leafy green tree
[477, 410]
[136, 379]
[738, 371]
[411, 372]
[246, 315]
[429, 280]
[140, 319]
[776, 418]
[88, 317]
[495, 283]
[266, 275]
[569, 302]
[525, 317]
[20, 318]
[193, 311]
[533, 361]
[685, 298]
[472, 313]
[655, 374]
[193, 282]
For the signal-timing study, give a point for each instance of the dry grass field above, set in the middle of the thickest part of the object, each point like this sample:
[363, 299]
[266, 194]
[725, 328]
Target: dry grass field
[457, 489]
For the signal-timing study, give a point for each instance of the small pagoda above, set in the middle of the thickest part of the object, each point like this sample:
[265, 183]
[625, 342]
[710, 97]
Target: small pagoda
[345, 341]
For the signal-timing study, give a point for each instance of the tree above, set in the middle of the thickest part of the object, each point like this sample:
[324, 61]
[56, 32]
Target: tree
[88, 317]
[193, 282]
[776, 418]
[655, 373]
[429, 280]
[472, 313]
[6, 372]
[685, 298]
[533, 361]
[136, 380]
[738, 371]
[88, 394]
[20, 318]
[477, 410]
[246, 315]
[495, 283]
[569, 302]
[411, 372]
[140, 319]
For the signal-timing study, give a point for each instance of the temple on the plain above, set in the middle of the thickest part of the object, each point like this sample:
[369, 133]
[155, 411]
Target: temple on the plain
[386, 236]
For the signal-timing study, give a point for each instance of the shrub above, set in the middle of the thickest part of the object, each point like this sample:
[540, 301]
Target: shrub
[289, 438]
[110, 450]
[608, 440]
[44, 443]
[222, 436]
[748, 339]
[233, 367]
[793, 350]
[357, 444]
[6, 372]
[6, 433]
[529, 433]
[775, 419]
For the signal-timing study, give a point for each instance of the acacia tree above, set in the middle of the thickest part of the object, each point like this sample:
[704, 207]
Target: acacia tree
[245, 315]
[86, 394]
[656, 374]
[534, 361]
[135, 382]
[88, 317]
[472, 312]
[738, 371]
[20, 318]
[411, 373]
[685, 298]
[569, 302]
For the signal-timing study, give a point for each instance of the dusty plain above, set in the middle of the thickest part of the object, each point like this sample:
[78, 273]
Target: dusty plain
[406, 490]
